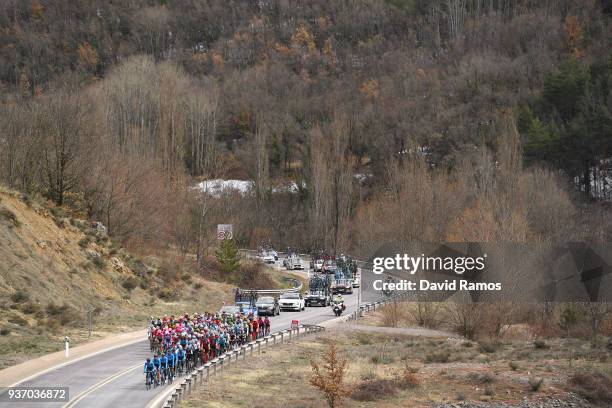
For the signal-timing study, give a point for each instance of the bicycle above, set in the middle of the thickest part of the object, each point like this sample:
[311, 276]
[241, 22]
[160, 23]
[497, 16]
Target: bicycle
[150, 379]
[169, 374]
[181, 367]
[163, 376]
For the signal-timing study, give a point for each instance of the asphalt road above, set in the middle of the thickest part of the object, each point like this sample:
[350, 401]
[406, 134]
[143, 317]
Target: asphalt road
[115, 378]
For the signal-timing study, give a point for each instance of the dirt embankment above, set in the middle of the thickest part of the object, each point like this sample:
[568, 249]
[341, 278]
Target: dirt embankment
[55, 270]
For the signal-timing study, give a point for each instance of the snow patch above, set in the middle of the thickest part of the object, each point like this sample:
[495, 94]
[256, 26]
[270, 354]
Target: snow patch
[217, 187]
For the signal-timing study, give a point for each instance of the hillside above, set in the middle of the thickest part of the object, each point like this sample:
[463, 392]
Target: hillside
[55, 268]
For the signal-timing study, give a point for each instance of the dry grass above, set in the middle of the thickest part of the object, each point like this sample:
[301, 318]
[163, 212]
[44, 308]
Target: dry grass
[392, 371]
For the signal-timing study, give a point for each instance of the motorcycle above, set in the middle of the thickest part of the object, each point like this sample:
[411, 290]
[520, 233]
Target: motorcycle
[338, 308]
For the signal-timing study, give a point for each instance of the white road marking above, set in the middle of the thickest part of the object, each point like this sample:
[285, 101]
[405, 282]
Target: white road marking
[101, 384]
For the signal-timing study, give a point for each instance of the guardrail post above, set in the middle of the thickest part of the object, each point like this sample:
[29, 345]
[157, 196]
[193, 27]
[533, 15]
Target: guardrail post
[221, 361]
[282, 334]
[251, 347]
[184, 388]
[188, 384]
[290, 334]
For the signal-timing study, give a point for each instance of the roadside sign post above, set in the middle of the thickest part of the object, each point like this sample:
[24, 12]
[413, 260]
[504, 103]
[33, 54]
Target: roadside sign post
[359, 291]
[67, 344]
[89, 322]
[225, 231]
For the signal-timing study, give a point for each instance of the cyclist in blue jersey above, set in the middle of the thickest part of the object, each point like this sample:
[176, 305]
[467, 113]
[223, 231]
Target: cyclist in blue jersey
[157, 363]
[171, 358]
[163, 365]
[180, 360]
[149, 371]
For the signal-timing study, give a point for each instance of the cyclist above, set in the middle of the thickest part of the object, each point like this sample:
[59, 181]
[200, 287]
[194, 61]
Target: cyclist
[157, 363]
[149, 371]
[163, 365]
[180, 359]
[267, 325]
[171, 359]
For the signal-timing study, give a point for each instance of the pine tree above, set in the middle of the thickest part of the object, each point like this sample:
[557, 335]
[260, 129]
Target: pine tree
[228, 257]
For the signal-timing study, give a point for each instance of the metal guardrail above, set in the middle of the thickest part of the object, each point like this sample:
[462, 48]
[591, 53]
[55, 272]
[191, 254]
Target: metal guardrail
[214, 367]
[366, 307]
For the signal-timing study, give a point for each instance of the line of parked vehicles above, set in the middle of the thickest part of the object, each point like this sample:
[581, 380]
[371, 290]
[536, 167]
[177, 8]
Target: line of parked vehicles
[331, 277]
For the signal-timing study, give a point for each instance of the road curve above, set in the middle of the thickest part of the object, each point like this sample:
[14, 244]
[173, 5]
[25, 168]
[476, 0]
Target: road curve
[115, 378]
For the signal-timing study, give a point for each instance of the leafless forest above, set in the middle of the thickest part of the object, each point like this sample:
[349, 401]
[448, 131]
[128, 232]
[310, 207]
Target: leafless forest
[456, 120]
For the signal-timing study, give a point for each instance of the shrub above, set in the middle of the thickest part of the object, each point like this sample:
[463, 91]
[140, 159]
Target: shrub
[64, 314]
[535, 383]
[84, 242]
[596, 387]
[252, 275]
[53, 324]
[373, 390]
[409, 378]
[513, 365]
[5, 331]
[58, 212]
[18, 320]
[198, 285]
[9, 216]
[60, 222]
[130, 283]
[540, 344]
[465, 318]
[489, 391]
[382, 359]
[438, 357]
[166, 294]
[30, 308]
[99, 262]
[488, 347]
[368, 376]
[392, 314]
[20, 296]
[329, 377]
[481, 378]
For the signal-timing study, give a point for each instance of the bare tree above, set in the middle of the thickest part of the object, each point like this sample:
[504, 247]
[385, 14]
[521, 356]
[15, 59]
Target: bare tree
[63, 121]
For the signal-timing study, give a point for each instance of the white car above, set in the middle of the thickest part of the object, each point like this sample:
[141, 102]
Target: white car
[292, 301]
[268, 257]
[293, 262]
